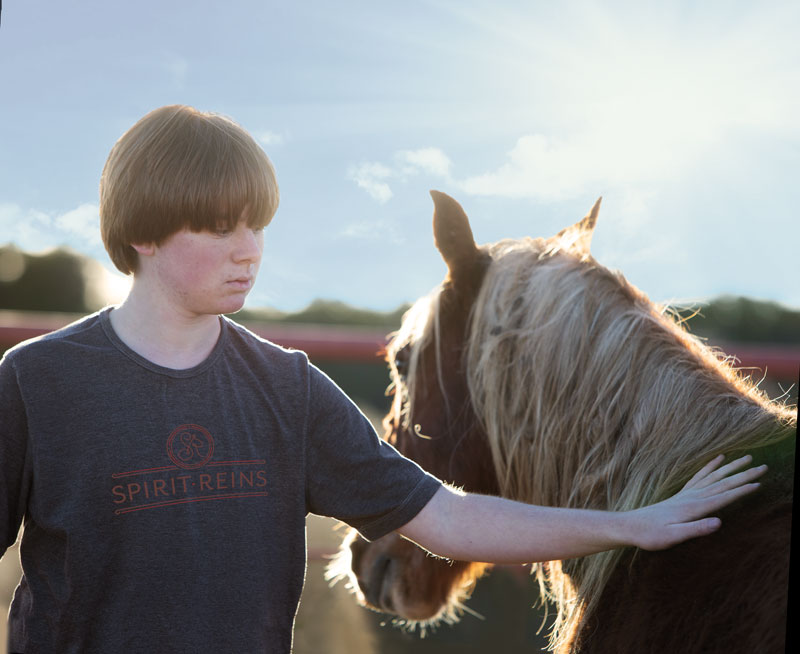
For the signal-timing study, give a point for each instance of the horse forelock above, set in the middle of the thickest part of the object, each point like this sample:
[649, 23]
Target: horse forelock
[418, 329]
[592, 396]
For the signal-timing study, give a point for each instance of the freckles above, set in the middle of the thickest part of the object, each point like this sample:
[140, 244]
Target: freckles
[197, 262]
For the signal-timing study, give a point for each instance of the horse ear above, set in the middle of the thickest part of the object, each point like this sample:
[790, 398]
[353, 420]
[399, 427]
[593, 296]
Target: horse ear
[452, 234]
[579, 236]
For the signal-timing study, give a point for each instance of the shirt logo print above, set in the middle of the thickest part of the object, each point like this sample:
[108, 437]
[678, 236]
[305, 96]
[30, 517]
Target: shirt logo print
[190, 446]
[193, 477]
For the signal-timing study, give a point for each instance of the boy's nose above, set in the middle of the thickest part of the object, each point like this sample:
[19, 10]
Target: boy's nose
[249, 245]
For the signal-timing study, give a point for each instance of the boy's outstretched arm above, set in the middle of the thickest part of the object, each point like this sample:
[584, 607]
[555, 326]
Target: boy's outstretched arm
[472, 527]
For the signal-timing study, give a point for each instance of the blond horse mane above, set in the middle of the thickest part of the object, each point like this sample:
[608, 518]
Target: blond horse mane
[591, 396]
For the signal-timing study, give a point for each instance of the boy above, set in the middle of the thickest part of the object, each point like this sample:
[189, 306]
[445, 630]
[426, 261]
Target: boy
[164, 458]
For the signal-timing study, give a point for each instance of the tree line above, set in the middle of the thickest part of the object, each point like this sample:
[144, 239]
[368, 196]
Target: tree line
[65, 281]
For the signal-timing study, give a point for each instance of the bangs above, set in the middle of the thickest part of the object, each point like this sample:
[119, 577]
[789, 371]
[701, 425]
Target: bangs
[227, 180]
[198, 172]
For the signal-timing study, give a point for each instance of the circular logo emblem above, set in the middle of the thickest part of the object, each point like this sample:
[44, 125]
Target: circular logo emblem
[190, 446]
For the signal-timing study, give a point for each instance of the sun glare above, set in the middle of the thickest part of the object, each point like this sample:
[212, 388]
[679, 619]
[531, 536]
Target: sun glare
[104, 287]
[643, 96]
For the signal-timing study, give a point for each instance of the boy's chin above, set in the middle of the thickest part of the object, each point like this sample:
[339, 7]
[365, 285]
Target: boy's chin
[232, 307]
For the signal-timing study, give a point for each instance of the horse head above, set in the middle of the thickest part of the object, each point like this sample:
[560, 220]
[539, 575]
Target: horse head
[535, 373]
[432, 421]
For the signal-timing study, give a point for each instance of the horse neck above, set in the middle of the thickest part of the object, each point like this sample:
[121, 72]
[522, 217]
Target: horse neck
[569, 427]
[590, 397]
[613, 432]
[688, 408]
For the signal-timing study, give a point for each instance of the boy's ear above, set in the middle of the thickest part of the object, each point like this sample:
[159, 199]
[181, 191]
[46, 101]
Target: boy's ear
[144, 249]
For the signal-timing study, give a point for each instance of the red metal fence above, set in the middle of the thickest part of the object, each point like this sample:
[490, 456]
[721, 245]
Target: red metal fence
[323, 342]
[326, 342]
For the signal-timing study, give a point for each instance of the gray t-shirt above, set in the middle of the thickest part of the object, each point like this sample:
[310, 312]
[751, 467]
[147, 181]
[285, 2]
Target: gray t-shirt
[165, 509]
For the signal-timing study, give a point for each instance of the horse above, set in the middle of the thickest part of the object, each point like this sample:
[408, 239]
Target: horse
[536, 373]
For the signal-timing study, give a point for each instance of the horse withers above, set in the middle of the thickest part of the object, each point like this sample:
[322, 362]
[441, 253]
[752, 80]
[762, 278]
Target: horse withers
[536, 373]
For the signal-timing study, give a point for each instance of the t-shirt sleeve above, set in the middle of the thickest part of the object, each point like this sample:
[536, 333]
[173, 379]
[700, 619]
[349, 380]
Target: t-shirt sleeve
[14, 480]
[352, 474]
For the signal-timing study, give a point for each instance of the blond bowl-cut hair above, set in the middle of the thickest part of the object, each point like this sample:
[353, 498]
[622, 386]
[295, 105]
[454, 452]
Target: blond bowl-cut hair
[180, 168]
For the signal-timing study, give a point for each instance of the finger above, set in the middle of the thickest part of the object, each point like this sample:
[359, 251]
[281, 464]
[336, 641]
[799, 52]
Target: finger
[729, 468]
[711, 474]
[697, 528]
[722, 499]
[683, 531]
[733, 481]
[707, 469]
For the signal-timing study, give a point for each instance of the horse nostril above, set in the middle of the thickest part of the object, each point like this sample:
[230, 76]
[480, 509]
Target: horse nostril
[373, 572]
[377, 584]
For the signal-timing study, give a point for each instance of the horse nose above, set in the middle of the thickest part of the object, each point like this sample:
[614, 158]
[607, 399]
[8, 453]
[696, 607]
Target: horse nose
[358, 547]
[371, 570]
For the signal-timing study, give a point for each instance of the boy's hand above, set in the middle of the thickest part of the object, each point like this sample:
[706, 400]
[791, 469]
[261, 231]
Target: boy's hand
[681, 517]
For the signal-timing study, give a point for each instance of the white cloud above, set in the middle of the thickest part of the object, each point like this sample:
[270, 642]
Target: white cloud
[625, 99]
[537, 167]
[35, 230]
[370, 176]
[374, 177]
[372, 230]
[267, 137]
[83, 222]
[540, 168]
[29, 229]
[429, 160]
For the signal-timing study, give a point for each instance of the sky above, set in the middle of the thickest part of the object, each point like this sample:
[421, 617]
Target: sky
[683, 116]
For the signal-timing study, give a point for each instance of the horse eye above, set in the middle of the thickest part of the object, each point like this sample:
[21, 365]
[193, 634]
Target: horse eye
[401, 361]
[402, 368]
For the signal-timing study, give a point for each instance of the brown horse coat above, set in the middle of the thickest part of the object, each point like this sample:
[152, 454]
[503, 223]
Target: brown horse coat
[535, 373]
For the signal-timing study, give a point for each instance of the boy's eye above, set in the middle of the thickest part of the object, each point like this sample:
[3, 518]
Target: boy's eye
[223, 231]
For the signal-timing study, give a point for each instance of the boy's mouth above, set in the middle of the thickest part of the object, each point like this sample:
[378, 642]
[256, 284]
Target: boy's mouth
[241, 283]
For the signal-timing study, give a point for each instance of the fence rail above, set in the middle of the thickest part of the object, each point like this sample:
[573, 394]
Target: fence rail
[329, 342]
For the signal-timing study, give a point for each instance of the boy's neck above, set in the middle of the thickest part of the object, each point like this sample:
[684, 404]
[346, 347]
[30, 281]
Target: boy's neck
[162, 335]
